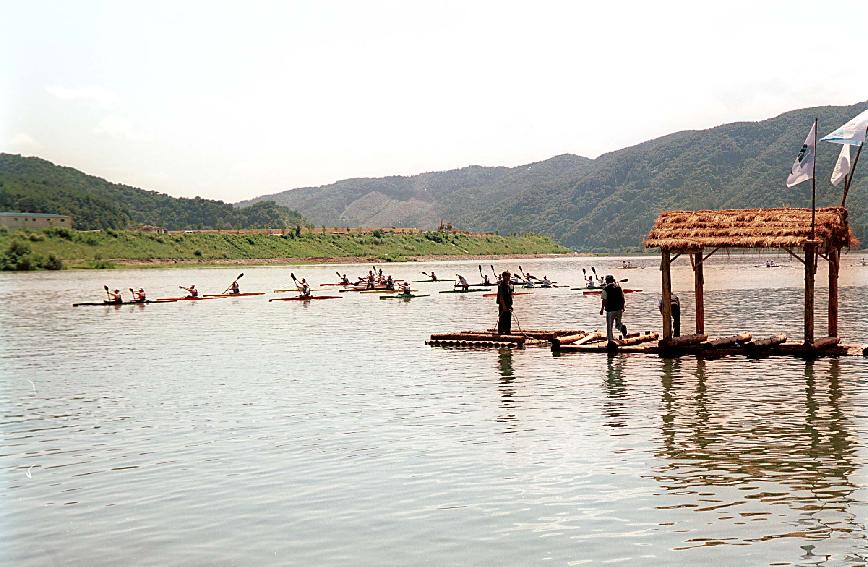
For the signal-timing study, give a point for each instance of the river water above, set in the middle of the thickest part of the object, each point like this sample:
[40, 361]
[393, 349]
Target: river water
[243, 432]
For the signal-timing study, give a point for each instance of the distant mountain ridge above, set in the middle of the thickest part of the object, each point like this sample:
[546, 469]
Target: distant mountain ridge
[608, 203]
[35, 185]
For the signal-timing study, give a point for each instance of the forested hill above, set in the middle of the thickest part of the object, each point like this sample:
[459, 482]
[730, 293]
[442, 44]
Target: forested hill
[35, 185]
[423, 200]
[608, 203]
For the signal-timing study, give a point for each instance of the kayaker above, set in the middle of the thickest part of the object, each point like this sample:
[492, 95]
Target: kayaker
[371, 284]
[192, 291]
[675, 309]
[234, 288]
[303, 288]
[139, 296]
[390, 283]
[115, 296]
[590, 283]
[405, 288]
[345, 280]
[504, 305]
[461, 283]
[433, 277]
[485, 280]
[545, 282]
[613, 304]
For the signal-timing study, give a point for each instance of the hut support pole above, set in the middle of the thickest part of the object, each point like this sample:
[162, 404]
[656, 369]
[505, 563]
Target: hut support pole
[810, 269]
[698, 282]
[834, 264]
[667, 296]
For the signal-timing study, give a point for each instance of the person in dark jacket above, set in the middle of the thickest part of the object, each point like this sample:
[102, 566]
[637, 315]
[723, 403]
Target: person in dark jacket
[675, 303]
[504, 305]
[613, 304]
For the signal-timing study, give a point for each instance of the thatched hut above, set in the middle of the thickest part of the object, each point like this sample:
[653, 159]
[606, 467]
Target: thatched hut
[792, 230]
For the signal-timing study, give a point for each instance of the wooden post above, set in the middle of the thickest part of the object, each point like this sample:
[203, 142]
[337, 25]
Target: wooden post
[834, 265]
[698, 282]
[667, 296]
[810, 269]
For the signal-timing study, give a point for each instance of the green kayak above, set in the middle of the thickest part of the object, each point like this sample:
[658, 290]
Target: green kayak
[402, 296]
[462, 290]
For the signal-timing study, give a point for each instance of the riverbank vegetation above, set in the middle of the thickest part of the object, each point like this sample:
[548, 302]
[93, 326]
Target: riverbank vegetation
[59, 247]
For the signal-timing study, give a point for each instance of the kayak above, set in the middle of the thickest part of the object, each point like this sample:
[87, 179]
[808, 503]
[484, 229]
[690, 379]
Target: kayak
[461, 290]
[234, 294]
[484, 284]
[600, 291]
[585, 288]
[336, 284]
[514, 293]
[107, 303]
[305, 298]
[381, 291]
[432, 281]
[184, 298]
[403, 296]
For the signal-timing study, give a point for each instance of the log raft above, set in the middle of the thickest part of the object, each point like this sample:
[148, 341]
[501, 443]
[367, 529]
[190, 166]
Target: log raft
[568, 340]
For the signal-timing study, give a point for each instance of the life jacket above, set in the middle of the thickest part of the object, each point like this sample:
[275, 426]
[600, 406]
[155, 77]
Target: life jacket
[614, 297]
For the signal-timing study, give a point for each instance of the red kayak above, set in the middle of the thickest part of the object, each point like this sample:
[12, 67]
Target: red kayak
[514, 293]
[306, 298]
[600, 291]
[183, 298]
[233, 294]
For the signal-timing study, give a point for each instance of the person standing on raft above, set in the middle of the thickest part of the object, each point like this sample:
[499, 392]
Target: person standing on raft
[613, 304]
[675, 305]
[504, 305]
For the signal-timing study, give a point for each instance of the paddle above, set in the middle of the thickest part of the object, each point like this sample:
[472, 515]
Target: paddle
[107, 294]
[241, 275]
[496, 278]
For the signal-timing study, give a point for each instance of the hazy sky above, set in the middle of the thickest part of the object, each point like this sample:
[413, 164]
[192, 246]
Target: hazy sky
[230, 100]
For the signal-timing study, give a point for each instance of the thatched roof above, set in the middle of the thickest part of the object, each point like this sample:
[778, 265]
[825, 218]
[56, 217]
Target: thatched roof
[749, 228]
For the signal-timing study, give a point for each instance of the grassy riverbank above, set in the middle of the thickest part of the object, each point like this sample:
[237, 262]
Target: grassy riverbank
[106, 249]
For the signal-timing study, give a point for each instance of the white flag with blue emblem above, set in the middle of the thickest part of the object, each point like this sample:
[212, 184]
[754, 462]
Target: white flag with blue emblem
[842, 167]
[852, 133]
[803, 168]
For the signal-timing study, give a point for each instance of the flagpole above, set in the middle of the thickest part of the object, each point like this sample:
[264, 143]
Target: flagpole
[814, 184]
[849, 179]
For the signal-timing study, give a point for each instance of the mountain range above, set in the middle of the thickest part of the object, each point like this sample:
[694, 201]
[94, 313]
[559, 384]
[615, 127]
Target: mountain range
[608, 203]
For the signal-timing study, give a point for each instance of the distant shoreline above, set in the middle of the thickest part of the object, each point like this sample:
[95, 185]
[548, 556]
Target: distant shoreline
[158, 263]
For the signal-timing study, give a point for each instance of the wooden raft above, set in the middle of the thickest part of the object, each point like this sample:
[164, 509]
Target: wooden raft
[710, 347]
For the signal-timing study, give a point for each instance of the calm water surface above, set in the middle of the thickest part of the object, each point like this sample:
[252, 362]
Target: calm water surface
[242, 432]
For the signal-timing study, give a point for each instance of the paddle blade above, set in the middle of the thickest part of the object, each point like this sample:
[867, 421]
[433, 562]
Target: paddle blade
[105, 287]
[292, 276]
[241, 275]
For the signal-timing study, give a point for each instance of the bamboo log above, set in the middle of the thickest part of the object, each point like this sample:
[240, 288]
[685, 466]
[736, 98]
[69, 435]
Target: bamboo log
[826, 342]
[682, 341]
[478, 337]
[595, 336]
[569, 339]
[635, 340]
[544, 334]
[728, 341]
[771, 341]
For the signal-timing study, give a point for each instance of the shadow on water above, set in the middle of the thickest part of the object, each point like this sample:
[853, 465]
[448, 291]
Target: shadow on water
[769, 459]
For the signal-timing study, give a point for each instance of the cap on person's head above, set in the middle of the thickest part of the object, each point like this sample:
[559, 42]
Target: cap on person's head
[610, 279]
[117, 291]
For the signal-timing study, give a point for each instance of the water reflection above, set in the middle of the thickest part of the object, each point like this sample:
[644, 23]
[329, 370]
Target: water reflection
[616, 391]
[506, 388]
[787, 455]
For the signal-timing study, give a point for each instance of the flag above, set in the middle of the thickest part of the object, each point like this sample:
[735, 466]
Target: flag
[803, 168]
[852, 133]
[842, 167]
